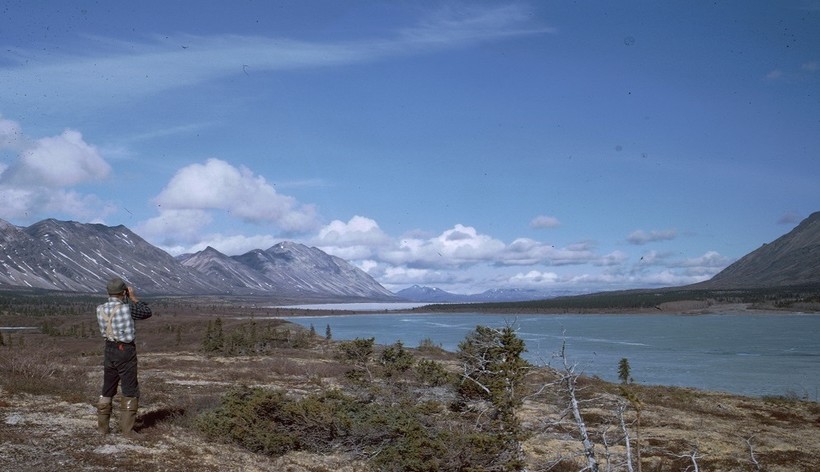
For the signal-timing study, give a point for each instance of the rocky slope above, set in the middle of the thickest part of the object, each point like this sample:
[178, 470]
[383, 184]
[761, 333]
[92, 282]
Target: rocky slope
[791, 260]
[77, 257]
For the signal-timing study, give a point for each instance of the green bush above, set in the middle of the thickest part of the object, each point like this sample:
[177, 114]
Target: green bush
[249, 339]
[396, 360]
[401, 437]
[359, 353]
[432, 373]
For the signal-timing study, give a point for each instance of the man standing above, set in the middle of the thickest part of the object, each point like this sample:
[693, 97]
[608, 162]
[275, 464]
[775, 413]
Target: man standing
[116, 319]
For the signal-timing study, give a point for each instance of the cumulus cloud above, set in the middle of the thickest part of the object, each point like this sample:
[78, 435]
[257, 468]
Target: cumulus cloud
[40, 179]
[401, 277]
[359, 238]
[460, 246]
[642, 237]
[218, 185]
[544, 222]
[175, 226]
[58, 161]
[665, 269]
[614, 258]
[525, 251]
[710, 259]
[534, 278]
[359, 230]
[233, 245]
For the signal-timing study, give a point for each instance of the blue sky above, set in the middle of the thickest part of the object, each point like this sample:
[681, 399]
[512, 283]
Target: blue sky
[565, 146]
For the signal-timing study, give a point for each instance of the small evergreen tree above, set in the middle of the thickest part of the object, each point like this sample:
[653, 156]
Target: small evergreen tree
[358, 352]
[328, 334]
[218, 336]
[624, 371]
[214, 340]
[494, 371]
[396, 360]
[206, 340]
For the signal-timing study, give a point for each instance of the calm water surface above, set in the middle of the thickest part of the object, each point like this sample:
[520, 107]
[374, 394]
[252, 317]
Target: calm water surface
[750, 354]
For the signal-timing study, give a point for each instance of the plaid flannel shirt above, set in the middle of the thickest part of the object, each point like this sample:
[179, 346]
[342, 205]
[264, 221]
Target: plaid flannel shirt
[116, 319]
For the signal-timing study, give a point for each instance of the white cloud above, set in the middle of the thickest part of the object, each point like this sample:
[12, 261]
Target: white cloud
[461, 246]
[182, 231]
[234, 245]
[26, 203]
[126, 71]
[11, 135]
[812, 66]
[175, 226]
[663, 269]
[614, 258]
[544, 222]
[653, 258]
[668, 278]
[358, 231]
[642, 237]
[534, 278]
[218, 185]
[710, 259]
[774, 74]
[525, 251]
[450, 26]
[58, 161]
[39, 181]
[360, 238]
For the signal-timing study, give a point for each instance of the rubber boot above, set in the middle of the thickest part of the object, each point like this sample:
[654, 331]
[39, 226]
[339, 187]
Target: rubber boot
[128, 416]
[103, 414]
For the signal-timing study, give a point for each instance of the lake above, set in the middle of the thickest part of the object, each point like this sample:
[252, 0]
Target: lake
[752, 354]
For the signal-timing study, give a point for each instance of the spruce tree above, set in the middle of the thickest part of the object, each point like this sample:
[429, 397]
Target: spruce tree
[624, 371]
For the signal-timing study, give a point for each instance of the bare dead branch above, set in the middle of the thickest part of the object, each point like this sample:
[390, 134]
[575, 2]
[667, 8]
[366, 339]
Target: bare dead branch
[621, 410]
[752, 452]
[570, 379]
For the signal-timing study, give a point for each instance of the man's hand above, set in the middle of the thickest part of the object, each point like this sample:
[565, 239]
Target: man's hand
[130, 293]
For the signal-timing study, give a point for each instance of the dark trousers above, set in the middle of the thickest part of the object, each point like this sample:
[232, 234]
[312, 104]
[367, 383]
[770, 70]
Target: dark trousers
[120, 367]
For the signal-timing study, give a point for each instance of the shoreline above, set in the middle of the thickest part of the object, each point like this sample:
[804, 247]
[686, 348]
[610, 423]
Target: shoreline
[686, 308]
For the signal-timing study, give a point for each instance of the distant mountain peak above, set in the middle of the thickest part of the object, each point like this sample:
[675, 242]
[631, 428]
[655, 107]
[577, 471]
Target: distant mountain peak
[67, 255]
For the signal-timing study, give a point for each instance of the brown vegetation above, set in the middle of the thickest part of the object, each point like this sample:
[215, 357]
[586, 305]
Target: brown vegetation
[50, 376]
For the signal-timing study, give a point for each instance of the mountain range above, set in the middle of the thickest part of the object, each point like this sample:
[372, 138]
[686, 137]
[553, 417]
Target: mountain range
[79, 257]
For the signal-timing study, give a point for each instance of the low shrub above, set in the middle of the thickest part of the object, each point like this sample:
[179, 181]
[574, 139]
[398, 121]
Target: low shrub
[401, 437]
[432, 373]
[39, 371]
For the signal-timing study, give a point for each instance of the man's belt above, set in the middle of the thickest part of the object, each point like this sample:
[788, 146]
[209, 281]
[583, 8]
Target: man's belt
[119, 344]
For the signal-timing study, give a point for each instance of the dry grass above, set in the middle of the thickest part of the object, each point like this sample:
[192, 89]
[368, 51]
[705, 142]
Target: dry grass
[49, 385]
